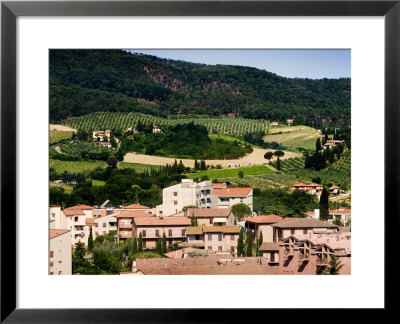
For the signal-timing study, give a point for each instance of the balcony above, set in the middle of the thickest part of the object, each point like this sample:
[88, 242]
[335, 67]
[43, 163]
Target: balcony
[304, 257]
[322, 262]
[125, 225]
[125, 235]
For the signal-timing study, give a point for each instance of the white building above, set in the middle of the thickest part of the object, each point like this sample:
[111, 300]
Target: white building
[186, 193]
[60, 258]
[105, 224]
[227, 197]
[78, 220]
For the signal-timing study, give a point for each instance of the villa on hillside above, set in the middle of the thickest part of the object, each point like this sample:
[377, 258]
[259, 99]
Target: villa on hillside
[100, 135]
[313, 189]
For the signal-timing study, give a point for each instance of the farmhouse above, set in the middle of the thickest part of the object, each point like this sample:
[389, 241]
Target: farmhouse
[331, 143]
[100, 135]
[274, 123]
[313, 189]
[156, 129]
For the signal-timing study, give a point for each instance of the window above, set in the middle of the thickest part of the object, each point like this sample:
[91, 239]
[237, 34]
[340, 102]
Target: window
[144, 244]
[51, 263]
[183, 232]
[211, 221]
[60, 272]
[53, 215]
[144, 233]
[104, 224]
[157, 233]
[51, 254]
[175, 193]
[219, 248]
[76, 218]
[209, 237]
[160, 212]
[220, 237]
[232, 249]
[292, 231]
[170, 232]
[60, 262]
[272, 257]
[51, 273]
[210, 248]
[175, 202]
[232, 237]
[304, 231]
[241, 200]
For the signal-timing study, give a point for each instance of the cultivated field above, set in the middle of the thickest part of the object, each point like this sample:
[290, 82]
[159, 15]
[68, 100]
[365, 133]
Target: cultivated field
[232, 173]
[293, 137]
[122, 121]
[254, 158]
[266, 181]
[62, 128]
[56, 135]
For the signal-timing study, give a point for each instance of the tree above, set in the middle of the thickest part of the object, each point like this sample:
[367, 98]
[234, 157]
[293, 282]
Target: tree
[279, 153]
[334, 266]
[158, 246]
[278, 164]
[317, 145]
[338, 222]
[324, 205]
[134, 246]
[241, 210]
[240, 174]
[164, 244]
[90, 239]
[112, 161]
[240, 244]
[260, 241]
[268, 156]
[249, 243]
[78, 261]
[193, 220]
[82, 135]
[140, 243]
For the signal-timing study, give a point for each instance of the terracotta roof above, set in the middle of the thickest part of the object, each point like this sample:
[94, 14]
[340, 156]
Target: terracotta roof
[340, 211]
[167, 221]
[136, 206]
[208, 212]
[304, 223]
[83, 207]
[334, 187]
[133, 214]
[194, 230]
[269, 247]
[315, 185]
[219, 185]
[72, 212]
[89, 221]
[221, 229]
[57, 232]
[299, 185]
[338, 242]
[232, 191]
[231, 229]
[269, 219]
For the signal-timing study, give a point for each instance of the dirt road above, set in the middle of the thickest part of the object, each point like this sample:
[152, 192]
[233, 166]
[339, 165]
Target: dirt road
[254, 158]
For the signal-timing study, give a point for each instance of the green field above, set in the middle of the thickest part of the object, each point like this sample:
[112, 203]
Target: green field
[293, 137]
[98, 183]
[86, 166]
[67, 188]
[267, 181]
[338, 173]
[231, 173]
[56, 135]
[122, 121]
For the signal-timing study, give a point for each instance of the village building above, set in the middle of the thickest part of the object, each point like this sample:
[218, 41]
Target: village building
[227, 197]
[57, 216]
[334, 190]
[153, 228]
[60, 256]
[211, 216]
[341, 214]
[125, 222]
[270, 251]
[262, 224]
[156, 129]
[100, 135]
[312, 189]
[106, 144]
[289, 121]
[331, 143]
[213, 238]
[216, 185]
[274, 123]
[310, 254]
[105, 224]
[312, 214]
[299, 226]
[78, 219]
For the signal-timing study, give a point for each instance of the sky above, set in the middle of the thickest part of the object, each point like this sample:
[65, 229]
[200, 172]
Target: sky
[313, 64]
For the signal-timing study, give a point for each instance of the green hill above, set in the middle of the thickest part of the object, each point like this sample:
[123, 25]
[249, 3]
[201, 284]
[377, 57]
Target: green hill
[87, 81]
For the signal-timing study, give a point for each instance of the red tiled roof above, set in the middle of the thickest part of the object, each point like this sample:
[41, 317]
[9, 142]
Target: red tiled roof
[83, 207]
[264, 219]
[168, 221]
[134, 214]
[232, 191]
[340, 211]
[136, 206]
[89, 221]
[334, 187]
[218, 185]
[72, 212]
[57, 232]
[299, 185]
[304, 223]
[208, 212]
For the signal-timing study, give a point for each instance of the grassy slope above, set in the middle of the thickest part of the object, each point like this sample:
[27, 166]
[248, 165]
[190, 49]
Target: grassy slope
[232, 173]
[293, 136]
[56, 135]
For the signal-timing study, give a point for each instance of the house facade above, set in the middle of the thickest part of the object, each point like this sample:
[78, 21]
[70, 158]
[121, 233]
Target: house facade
[125, 222]
[60, 254]
[76, 221]
[211, 216]
[262, 224]
[341, 214]
[312, 189]
[227, 197]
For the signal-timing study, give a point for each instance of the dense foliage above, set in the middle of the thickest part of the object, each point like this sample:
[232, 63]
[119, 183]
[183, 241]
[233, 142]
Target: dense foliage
[86, 81]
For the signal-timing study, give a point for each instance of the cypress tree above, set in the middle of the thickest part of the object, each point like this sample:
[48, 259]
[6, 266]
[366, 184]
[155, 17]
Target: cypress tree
[324, 205]
[140, 243]
[90, 239]
[158, 246]
[318, 145]
[164, 244]
[260, 241]
[240, 244]
[193, 220]
[278, 164]
[134, 246]
[249, 243]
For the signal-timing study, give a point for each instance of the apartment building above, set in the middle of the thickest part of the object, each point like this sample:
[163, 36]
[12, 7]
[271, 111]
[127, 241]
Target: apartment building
[227, 197]
[311, 254]
[211, 216]
[213, 238]
[57, 216]
[301, 226]
[60, 256]
[125, 222]
[105, 224]
[262, 224]
[154, 227]
[186, 193]
[78, 219]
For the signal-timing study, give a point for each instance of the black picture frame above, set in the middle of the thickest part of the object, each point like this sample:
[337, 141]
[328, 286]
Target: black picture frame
[10, 10]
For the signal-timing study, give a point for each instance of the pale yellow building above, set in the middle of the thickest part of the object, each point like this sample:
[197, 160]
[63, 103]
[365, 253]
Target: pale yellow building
[60, 256]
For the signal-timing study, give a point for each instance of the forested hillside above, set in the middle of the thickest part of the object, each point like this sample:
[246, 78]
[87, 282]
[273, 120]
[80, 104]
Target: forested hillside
[87, 81]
